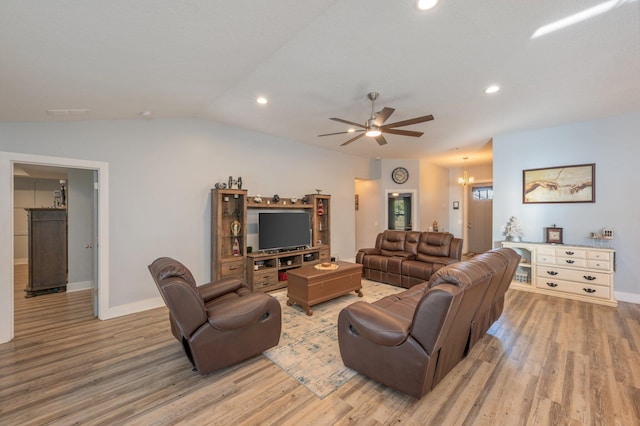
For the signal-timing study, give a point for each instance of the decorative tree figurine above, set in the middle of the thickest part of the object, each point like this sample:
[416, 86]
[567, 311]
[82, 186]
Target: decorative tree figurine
[513, 230]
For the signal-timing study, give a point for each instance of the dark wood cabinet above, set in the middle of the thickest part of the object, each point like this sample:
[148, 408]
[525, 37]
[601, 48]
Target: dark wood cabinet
[47, 251]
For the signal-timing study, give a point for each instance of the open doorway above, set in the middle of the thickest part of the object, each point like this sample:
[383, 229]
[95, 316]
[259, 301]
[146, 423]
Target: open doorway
[61, 190]
[401, 210]
[99, 171]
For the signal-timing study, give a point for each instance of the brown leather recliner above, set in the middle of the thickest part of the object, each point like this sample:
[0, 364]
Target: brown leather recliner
[219, 323]
[411, 340]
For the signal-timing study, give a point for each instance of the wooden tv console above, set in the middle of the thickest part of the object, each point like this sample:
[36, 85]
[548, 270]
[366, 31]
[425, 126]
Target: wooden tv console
[269, 271]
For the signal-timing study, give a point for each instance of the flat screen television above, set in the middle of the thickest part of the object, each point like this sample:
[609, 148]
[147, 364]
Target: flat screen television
[283, 230]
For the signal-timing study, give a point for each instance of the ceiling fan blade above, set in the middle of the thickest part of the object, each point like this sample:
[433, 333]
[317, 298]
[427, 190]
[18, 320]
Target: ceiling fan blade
[347, 122]
[410, 121]
[402, 132]
[353, 139]
[340, 133]
[383, 115]
[381, 140]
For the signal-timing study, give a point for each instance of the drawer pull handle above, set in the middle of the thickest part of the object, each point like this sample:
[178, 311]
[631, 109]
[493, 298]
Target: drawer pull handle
[569, 253]
[588, 277]
[589, 290]
[569, 261]
[552, 284]
[233, 268]
[552, 273]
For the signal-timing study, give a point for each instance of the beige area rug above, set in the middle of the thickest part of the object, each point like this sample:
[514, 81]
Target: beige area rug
[308, 350]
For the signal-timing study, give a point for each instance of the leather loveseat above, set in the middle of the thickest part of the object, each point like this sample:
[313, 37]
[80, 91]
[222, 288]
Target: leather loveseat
[407, 258]
[411, 340]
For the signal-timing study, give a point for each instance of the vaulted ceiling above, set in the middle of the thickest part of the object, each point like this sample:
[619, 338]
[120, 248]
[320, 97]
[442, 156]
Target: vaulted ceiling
[318, 59]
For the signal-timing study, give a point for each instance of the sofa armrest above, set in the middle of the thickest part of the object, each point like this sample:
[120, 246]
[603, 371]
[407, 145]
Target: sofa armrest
[375, 324]
[369, 251]
[455, 250]
[216, 289]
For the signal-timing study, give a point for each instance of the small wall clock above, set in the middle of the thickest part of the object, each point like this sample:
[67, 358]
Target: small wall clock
[400, 175]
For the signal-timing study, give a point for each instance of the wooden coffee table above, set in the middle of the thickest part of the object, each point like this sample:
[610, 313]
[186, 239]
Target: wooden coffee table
[309, 286]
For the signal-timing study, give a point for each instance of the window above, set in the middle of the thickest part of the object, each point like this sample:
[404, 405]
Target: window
[482, 192]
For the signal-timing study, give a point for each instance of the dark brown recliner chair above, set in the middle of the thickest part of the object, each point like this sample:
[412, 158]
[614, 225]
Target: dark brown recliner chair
[219, 323]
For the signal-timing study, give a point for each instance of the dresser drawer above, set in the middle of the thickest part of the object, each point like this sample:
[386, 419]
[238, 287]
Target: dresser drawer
[599, 255]
[550, 251]
[547, 259]
[232, 269]
[590, 290]
[569, 261]
[586, 277]
[598, 264]
[571, 252]
[263, 279]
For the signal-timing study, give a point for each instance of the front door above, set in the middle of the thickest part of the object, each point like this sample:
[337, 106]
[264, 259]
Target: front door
[480, 218]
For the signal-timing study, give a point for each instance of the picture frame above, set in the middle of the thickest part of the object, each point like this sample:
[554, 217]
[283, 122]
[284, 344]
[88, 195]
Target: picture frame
[553, 235]
[565, 184]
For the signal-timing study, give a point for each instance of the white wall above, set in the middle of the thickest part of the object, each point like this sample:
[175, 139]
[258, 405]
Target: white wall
[368, 221]
[612, 144]
[161, 173]
[434, 196]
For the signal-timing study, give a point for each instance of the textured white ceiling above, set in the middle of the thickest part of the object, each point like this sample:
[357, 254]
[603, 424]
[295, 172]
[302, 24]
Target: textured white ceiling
[318, 59]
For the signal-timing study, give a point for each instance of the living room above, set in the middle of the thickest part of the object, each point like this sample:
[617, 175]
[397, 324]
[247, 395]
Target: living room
[159, 173]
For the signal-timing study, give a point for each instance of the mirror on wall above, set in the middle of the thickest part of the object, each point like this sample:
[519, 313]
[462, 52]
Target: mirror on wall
[399, 208]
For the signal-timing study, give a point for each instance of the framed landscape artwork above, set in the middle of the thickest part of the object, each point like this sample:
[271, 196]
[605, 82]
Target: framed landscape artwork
[567, 184]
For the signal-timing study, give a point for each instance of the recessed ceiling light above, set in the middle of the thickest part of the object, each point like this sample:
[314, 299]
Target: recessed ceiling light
[146, 114]
[261, 100]
[426, 4]
[492, 89]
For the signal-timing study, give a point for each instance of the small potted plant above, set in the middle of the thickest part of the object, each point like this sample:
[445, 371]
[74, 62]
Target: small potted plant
[512, 231]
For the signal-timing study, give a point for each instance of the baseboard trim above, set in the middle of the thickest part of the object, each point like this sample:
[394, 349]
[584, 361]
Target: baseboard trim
[622, 296]
[80, 285]
[132, 308]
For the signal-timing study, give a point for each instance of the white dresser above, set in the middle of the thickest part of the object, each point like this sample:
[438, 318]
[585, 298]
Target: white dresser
[574, 272]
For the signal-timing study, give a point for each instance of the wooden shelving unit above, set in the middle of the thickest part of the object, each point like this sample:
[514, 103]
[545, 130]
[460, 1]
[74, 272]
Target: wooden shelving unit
[228, 233]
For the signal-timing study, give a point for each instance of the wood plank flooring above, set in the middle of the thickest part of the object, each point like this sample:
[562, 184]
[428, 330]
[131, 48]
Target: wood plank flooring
[546, 361]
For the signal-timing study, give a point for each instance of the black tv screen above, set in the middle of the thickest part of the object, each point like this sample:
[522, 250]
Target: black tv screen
[278, 230]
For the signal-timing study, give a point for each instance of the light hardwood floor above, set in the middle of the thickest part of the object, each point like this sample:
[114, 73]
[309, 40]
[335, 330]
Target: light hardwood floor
[546, 361]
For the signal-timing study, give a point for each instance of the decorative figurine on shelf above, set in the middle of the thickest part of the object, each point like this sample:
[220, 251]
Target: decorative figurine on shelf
[294, 200]
[235, 227]
[320, 208]
[236, 247]
[276, 198]
[63, 193]
[230, 186]
[318, 191]
[435, 226]
[239, 182]
[512, 231]
[305, 199]
[220, 185]
[257, 198]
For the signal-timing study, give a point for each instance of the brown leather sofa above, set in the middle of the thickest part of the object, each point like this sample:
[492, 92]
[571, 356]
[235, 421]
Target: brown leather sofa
[407, 258]
[411, 340]
[219, 323]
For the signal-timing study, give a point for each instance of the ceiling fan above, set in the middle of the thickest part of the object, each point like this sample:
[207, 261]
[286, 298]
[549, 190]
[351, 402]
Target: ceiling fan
[374, 127]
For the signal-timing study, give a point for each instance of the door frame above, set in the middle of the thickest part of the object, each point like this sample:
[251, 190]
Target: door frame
[7, 161]
[415, 220]
[467, 197]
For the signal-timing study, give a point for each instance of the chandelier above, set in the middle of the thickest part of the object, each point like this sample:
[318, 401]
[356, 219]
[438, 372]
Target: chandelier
[465, 179]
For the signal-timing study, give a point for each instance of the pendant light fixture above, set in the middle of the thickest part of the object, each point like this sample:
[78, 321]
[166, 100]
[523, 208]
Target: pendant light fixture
[465, 179]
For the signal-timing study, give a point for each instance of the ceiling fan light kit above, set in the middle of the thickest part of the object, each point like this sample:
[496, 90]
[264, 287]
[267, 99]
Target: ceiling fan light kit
[374, 127]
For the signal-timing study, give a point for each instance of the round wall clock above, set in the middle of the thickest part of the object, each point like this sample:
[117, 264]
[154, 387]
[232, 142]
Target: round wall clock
[400, 175]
